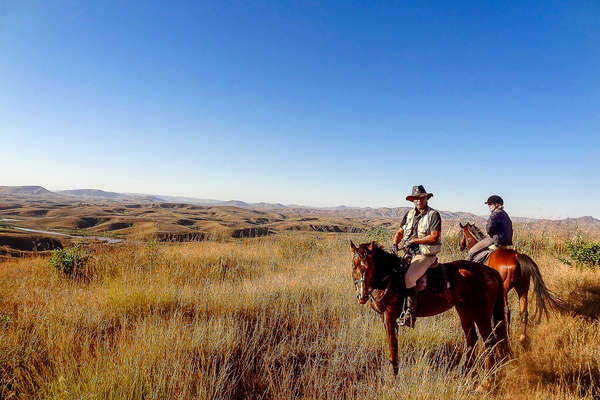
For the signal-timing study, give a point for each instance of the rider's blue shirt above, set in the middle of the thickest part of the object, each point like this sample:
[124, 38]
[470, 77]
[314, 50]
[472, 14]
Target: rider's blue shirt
[499, 227]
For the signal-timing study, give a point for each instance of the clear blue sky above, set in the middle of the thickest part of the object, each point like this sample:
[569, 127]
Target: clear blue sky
[307, 102]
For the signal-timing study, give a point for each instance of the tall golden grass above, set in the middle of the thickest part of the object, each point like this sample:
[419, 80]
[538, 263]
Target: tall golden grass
[270, 318]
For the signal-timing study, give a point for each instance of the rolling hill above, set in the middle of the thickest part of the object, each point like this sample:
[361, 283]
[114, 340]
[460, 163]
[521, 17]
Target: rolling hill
[140, 216]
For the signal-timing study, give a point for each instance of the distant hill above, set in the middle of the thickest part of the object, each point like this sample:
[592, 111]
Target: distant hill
[28, 193]
[188, 200]
[24, 191]
[102, 195]
[38, 193]
[95, 193]
[586, 224]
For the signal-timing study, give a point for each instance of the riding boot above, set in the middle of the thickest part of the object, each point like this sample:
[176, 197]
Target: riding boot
[410, 316]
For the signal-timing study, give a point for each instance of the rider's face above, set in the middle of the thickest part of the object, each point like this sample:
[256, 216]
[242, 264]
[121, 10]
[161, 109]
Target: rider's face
[420, 202]
[492, 206]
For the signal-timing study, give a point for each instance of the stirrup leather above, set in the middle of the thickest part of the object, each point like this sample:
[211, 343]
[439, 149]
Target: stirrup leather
[408, 315]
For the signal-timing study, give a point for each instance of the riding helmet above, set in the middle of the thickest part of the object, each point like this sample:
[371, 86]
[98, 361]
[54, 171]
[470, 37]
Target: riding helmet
[495, 199]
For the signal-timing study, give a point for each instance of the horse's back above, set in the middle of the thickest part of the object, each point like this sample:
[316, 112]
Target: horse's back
[466, 268]
[470, 283]
[502, 256]
[504, 261]
[468, 275]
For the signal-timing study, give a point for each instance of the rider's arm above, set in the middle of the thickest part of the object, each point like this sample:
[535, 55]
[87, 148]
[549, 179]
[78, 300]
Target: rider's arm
[432, 238]
[492, 226]
[399, 235]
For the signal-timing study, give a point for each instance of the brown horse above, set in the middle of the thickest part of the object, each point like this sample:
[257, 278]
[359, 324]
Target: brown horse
[516, 271]
[473, 289]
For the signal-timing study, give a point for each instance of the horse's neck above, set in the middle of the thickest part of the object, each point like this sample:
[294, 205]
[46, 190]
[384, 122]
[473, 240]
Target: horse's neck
[385, 264]
[471, 238]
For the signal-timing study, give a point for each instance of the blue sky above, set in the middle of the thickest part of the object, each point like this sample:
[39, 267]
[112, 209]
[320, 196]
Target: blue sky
[307, 102]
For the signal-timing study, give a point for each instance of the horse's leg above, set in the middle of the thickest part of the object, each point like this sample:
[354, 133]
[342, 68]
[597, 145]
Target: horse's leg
[466, 321]
[485, 330]
[522, 290]
[507, 285]
[391, 330]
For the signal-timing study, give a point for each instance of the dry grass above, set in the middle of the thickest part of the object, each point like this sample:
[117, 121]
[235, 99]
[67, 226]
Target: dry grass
[270, 318]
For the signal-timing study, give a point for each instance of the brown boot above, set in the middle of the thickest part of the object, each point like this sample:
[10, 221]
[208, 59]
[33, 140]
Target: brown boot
[410, 314]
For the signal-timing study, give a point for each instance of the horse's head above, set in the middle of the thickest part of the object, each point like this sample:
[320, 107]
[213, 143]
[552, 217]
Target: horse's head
[462, 237]
[469, 235]
[363, 269]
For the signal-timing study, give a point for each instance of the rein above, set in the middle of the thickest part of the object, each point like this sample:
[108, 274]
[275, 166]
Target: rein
[387, 288]
[381, 282]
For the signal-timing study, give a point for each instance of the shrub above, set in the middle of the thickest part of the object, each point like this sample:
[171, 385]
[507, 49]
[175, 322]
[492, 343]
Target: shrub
[380, 235]
[299, 248]
[152, 254]
[5, 320]
[70, 261]
[584, 251]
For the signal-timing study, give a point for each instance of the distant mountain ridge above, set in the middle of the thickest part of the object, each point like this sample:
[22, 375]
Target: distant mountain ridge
[24, 190]
[101, 194]
[40, 193]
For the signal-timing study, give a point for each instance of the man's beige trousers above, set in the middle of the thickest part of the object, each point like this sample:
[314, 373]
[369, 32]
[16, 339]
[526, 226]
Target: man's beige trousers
[417, 269]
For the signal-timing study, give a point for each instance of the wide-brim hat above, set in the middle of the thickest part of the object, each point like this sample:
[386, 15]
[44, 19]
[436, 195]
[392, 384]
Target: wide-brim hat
[418, 192]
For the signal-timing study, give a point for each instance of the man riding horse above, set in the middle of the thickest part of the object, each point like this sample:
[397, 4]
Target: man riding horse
[499, 228]
[420, 232]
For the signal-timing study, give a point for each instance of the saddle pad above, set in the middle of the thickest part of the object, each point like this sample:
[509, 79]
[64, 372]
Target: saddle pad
[482, 256]
[435, 280]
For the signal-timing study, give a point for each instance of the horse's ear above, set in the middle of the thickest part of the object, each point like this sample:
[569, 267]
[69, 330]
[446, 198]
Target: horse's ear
[354, 248]
[371, 246]
[461, 225]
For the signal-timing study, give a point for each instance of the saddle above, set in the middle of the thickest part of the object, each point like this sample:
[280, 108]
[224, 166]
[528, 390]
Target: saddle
[435, 279]
[482, 256]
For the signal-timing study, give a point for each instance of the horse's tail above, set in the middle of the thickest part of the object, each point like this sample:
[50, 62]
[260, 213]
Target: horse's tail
[544, 298]
[499, 322]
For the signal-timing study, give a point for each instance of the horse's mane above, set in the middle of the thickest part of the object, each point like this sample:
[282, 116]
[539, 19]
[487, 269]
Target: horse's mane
[475, 231]
[383, 260]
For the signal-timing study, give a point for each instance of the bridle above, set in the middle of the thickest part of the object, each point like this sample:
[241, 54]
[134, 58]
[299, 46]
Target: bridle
[385, 279]
[361, 281]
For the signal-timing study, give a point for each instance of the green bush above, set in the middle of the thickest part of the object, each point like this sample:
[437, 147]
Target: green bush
[152, 254]
[70, 261]
[5, 320]
[299, 248]
[380, 235]
[584, 251]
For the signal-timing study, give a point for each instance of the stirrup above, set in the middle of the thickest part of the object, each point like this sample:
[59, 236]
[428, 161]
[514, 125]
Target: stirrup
[406, 316]
[407, 319]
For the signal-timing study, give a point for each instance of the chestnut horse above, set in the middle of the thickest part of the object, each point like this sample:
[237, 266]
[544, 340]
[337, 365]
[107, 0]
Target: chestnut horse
[473, 289]
[516, 271]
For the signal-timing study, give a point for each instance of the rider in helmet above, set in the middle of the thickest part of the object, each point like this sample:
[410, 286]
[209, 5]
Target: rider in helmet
[420, 228]
[499, 228]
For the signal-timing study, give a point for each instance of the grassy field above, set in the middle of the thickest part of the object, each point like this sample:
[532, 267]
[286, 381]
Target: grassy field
[272, 318]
